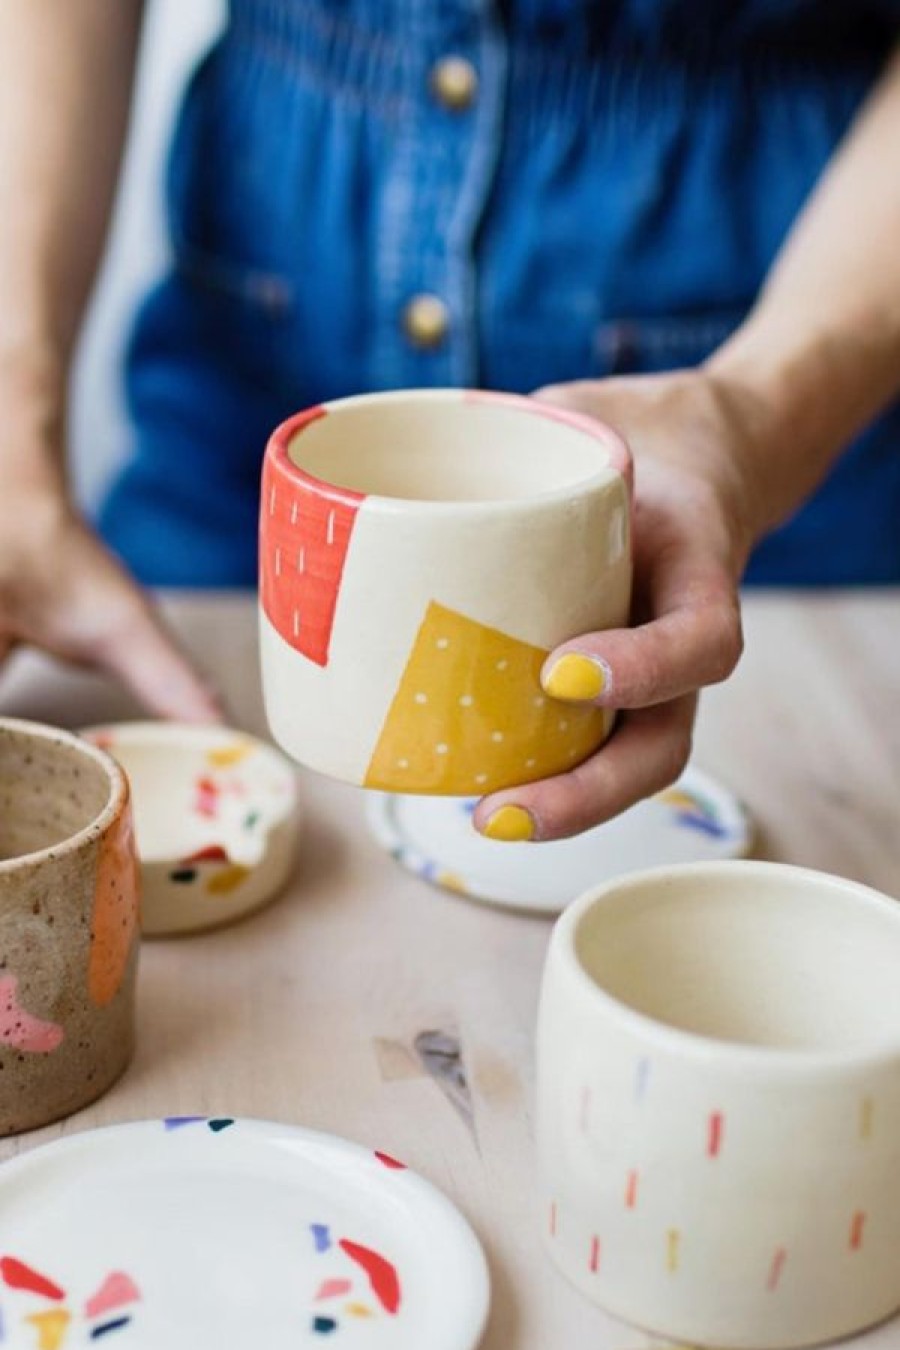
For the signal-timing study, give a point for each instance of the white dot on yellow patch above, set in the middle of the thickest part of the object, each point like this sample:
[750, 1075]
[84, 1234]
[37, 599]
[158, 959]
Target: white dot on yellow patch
[402, 763]
[442, 644]
[480, 699]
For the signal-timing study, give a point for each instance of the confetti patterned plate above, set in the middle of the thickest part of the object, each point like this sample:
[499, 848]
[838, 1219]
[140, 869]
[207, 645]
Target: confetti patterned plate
[225, 1234]
[216, 817]
[695, 820]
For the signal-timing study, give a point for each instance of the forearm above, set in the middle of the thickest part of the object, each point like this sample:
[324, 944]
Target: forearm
[819, 357]
[66, 73]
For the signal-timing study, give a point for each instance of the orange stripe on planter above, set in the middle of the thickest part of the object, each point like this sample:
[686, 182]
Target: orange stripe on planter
[114, 924]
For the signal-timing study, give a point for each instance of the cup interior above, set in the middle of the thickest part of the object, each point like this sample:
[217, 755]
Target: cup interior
[753, 954]
[447, 447]
[51, 789]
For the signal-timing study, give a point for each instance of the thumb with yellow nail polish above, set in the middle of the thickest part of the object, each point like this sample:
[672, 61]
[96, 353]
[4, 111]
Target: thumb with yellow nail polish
[509, 825]
[576, 678]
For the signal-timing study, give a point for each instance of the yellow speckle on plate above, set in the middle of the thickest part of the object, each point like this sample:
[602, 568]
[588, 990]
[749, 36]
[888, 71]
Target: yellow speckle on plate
[358, 1310]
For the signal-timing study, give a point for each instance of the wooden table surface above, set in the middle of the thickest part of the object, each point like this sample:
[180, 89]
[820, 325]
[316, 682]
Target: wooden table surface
[313, 1010]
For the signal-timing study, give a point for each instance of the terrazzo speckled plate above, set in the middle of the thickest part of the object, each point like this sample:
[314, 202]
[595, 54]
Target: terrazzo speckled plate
[695, 820]
[194, 1233]
[216, 820]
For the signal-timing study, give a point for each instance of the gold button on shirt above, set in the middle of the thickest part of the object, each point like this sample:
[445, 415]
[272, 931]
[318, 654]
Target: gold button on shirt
[426, 320]
[454, 82]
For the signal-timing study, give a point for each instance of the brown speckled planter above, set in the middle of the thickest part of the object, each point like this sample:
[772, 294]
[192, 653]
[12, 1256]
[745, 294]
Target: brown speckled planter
[69, 911]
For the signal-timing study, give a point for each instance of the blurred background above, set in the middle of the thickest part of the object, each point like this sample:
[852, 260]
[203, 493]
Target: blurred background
[177, 33]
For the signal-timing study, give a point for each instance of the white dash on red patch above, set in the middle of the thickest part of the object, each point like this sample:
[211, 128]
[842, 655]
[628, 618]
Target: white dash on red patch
[278, 562]
[294, 514]
[272, 501]
[301, 561]
[330, 531]
[296, 623]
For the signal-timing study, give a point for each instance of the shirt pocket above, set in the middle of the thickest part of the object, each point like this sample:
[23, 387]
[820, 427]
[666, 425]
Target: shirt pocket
[225, 190]
[637, 346]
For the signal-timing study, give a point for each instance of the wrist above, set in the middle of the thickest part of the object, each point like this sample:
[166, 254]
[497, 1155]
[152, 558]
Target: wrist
[32, 417]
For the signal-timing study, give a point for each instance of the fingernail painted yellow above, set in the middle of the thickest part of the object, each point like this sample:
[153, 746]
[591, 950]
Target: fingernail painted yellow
[575, 678]
[511, 824]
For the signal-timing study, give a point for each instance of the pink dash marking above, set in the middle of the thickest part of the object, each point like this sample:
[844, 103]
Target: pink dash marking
[382, 1274]
[553, 1219]
[716, 1128]
[19, 1276]
[333, 1289]
[388, 1161]
[116, 1291]
[19, 1029]
[594, 1259]
[631, 1189]
[776, 1269]
[206, 799]
[856, 1230]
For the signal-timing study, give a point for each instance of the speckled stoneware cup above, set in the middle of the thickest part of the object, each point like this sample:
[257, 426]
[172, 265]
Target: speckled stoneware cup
[69, 910]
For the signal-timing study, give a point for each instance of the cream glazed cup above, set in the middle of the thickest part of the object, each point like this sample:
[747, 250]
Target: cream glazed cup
[421, 552]
[718, 1103]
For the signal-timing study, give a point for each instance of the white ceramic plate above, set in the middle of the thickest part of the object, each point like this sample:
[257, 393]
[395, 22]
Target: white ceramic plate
[199, 1234]
[696, 820]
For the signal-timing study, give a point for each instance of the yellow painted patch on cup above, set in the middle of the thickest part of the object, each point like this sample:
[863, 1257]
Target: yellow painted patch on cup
[358, 1310]
[511, 825]
[470, 716]
[575, 679]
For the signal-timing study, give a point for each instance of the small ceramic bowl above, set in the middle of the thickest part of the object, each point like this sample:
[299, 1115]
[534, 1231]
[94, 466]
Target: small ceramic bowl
[421, 552]
[216, 819]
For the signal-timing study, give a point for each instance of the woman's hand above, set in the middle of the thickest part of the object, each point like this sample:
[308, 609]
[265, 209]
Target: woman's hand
[694, 522]
[61, 590]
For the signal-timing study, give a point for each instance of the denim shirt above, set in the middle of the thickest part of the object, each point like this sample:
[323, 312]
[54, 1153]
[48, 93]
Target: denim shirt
[599, 189]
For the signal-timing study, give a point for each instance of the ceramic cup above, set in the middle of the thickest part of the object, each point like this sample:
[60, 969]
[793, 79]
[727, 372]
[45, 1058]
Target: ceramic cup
[719, 1103]
[217, 819]
[420, 553]
[69, 902]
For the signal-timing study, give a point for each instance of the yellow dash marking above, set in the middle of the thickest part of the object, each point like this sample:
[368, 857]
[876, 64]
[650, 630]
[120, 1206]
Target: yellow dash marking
[673, 1242]
[866, 1118]
[358, 1310]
